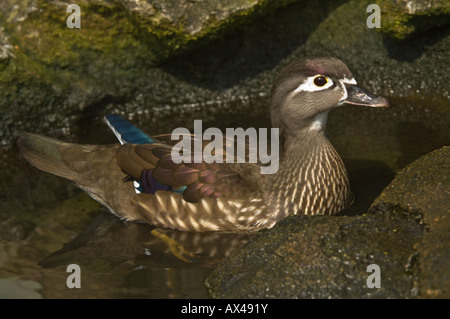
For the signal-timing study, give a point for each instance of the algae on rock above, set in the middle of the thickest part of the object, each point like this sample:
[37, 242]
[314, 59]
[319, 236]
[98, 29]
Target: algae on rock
[402, 19]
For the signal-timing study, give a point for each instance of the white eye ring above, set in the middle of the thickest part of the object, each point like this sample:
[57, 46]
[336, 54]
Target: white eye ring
[309, 86]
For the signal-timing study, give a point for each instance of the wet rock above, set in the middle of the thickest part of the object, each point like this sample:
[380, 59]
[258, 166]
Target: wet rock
[322, 257]
[403, 18]
[423, 188]
[406, 233]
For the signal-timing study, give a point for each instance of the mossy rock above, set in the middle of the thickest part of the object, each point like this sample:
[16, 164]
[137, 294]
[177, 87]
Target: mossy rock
[150, 29]
[50, 73]
[177, 25]
[401, 19]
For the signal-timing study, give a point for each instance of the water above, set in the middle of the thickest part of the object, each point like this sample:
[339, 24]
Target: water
[46, 223]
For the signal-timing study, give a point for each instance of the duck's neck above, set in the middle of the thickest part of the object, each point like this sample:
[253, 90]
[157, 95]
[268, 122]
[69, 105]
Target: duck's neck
[312, 179]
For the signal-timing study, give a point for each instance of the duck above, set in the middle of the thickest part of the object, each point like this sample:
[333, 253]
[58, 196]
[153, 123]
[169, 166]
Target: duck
[138, 179]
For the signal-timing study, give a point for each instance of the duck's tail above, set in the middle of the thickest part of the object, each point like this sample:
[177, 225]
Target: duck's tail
[45, 153]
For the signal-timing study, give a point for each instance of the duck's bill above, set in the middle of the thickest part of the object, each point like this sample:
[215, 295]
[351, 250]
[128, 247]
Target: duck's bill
[359, 96]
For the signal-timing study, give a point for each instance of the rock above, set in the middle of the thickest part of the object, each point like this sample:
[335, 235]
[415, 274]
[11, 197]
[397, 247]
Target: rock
[406, 233]
[165, 28]
[51, 74]
[322, 257]
[403, 18]
[176, 25]
[423, 188]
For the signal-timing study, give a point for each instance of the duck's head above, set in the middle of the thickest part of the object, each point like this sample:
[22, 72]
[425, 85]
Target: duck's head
[305, 91]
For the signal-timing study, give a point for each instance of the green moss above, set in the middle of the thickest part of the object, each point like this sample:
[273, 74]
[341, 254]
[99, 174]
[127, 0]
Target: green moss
[108, 41]
[401, 25]
[52, 61]
[45, 37]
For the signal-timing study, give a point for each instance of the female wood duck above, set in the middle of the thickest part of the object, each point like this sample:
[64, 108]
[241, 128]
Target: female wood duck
[311, 179]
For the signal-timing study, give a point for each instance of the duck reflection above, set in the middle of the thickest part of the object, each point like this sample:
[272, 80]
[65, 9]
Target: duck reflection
[141, 245]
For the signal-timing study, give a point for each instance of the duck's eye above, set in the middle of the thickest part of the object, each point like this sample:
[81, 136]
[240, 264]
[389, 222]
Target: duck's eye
[320, 80]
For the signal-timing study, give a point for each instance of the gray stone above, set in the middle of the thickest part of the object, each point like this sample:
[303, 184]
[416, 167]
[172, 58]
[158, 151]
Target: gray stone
[322, 257]
[423, 188]
[195, 19]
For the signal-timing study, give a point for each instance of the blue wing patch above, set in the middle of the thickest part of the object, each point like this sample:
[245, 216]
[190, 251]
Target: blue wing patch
[127, 132]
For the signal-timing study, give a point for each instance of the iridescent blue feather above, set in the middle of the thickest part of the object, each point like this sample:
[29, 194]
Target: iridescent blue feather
[127, 132]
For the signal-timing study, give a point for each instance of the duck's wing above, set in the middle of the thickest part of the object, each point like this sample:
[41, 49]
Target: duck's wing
[154, 168]
[148, 161]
